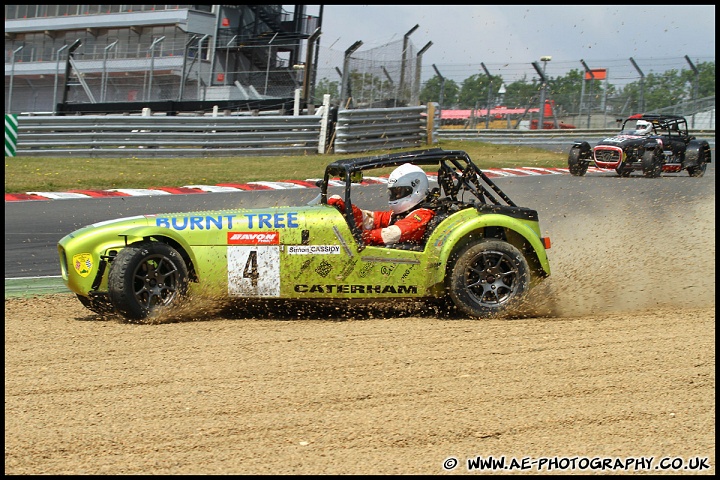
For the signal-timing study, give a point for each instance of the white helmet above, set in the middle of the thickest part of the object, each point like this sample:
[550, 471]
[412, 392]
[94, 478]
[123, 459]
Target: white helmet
[407, 186]
[643, 127]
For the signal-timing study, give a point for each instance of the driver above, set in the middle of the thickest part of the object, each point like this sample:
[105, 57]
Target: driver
[643, 127]
[407, 218]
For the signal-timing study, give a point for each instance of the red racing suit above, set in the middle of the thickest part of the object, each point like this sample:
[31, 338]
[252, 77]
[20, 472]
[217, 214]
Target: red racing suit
[384, 227]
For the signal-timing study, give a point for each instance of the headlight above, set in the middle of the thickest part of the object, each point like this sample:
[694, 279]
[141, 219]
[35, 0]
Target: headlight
[63, 263]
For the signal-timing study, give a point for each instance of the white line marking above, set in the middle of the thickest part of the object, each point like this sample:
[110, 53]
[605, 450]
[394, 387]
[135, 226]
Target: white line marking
[521, 171]
[139, 192]
[59, 195]
[499, 172]
[214, 188]
[278, 185]
[33, 278]
[553, 172]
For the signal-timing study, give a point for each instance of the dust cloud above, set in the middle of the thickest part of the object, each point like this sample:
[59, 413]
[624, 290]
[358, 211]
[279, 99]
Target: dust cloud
[625, 262]
[628, 260]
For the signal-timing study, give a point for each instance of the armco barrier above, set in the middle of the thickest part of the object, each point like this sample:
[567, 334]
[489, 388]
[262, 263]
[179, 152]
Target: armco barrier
[159, 135]
[560, 139]
[358, 130]
[377, 128]
[112, 136]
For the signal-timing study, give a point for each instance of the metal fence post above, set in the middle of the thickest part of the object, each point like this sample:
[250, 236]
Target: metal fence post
[324, 124]
[103, 82]
[184, 66]
[57, 74]
[345, 87]
[199, 65]
[267, 70]
[12, 77]
[152, 65]
[430, 125]
[418, 67]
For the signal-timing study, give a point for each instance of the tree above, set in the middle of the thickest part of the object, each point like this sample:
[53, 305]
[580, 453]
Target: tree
[472, 91]
[669, 88]
[660, 91]
[566, 91]
[326, 86]
[431, 92]
[366, 87]
[665, 89]
[571, 93]
[519, 93]
[706, 84]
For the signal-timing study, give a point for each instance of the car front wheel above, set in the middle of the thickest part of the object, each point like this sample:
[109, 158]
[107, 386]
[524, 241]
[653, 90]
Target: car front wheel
[488, 278]
[146, 278]
[576, 166]
[651, 164]
[623, 172]
[98, 304]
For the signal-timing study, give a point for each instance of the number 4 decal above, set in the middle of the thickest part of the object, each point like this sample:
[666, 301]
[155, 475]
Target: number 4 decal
[253, 270]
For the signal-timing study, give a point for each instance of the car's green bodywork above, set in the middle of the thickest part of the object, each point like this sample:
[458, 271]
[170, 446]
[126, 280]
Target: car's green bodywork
[298, 252]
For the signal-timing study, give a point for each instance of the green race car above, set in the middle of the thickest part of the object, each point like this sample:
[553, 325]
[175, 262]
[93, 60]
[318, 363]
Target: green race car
[481, 253]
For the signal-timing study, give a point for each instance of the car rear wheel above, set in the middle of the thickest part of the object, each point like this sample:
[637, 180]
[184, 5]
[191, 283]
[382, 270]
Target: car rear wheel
[699, 169]
[576, 166]
[652, 164]
[146, 278]
[488, 278]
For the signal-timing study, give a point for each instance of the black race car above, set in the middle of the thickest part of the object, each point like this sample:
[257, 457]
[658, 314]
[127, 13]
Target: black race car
[648, 143]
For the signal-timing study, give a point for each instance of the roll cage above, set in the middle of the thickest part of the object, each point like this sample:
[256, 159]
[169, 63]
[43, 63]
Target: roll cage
[668, 125]
[461, 183]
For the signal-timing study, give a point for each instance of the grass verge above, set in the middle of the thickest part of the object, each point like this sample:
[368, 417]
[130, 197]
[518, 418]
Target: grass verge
[53, 174]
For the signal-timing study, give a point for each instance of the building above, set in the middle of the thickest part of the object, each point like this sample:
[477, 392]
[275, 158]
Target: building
[119, 58]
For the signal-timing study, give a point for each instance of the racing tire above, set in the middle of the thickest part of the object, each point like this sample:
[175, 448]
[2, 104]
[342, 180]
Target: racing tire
[623, 172]
[577, 167]
[99, 305]
[489, 278]
[146, 278]
[698, 170]
[651, 164]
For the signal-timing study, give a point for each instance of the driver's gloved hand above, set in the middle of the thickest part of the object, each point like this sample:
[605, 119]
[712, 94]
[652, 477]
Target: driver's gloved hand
[337, 202]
